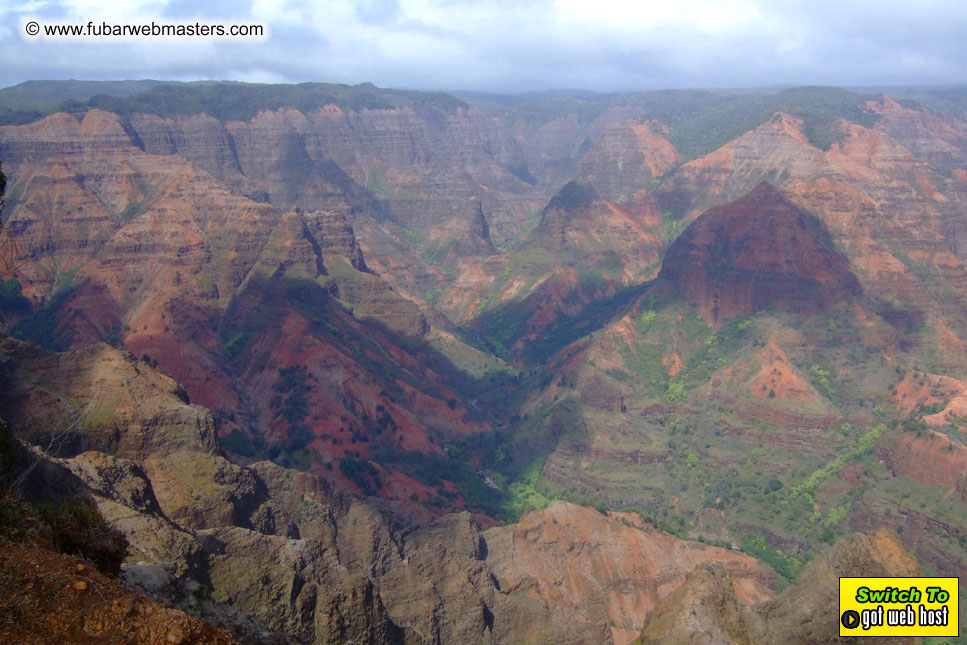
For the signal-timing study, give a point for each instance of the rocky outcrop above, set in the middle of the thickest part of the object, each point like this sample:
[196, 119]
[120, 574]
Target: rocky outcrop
[938, 139]
[584, 249]
[262, 550]
[888, 207]
[605, 568]
[164, 258]
[48, 597]
[231, 254]
[705, 609]
[333, 233]
[756, 252]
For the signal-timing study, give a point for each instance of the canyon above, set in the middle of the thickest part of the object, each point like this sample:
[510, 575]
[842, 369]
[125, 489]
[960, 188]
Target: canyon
[492, 368]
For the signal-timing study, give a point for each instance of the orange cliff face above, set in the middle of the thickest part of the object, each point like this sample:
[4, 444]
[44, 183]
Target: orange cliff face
[328, 156]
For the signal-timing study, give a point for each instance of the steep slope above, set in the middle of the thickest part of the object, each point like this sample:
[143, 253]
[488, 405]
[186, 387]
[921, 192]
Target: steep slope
[754, 386]
[343, 282]
[626, 157]
[620, 571]
[935, 138]
[891, 213]
[757, 252]
[150, 252]
[259, 547]
[583, 230]
[705, 607]
[580, 262]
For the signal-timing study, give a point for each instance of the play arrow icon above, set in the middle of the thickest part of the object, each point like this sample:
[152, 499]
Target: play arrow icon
[850, 619]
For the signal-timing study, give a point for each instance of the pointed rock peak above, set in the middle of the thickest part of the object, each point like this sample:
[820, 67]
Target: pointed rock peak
[574, 194]
[765, 190]
[756, 252]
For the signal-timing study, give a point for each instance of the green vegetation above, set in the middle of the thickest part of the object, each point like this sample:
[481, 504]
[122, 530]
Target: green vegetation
[71, 525]
[863, 445]
[238, 442]
[361, 472]
[434, 470]
[715, 353]
[78, 528]
[728, 117]
[786, 564]
[132, 210]
[526, 491]
[292, 404]
[229, 101]
[702, 120]
[32, 100]
[233, 346]
[707, 453]
[821, 379]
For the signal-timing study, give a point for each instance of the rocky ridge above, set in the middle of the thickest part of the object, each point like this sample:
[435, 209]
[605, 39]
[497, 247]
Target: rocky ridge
[705, 607]
[327, 566]
[382, 260]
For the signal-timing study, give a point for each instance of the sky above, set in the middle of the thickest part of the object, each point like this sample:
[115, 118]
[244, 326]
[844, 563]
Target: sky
[505, 45]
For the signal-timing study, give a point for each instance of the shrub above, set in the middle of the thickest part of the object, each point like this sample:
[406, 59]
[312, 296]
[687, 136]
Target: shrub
[78, 528]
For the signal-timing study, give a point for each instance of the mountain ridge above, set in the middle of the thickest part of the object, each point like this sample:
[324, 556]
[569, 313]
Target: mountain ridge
[445, 306]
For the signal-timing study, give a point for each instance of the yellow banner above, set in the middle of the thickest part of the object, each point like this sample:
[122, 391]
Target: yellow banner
[898, 607]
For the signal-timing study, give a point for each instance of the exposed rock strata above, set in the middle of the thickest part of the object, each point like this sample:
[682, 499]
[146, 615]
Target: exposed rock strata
[756, 252]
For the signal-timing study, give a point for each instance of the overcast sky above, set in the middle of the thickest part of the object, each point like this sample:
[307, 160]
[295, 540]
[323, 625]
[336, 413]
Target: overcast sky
[509, 45]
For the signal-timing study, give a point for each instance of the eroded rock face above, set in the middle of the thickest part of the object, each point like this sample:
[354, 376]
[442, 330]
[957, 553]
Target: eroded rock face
[165, 258]
[704, 609]
[606, 568]
[182, 228]
[580, 227]
[265, 550]
[396, 160]
[756, 252]
[626, 156]
[938, 139]
[885, 193]
[258, 549]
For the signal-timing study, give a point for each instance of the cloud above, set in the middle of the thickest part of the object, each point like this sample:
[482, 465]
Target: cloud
[514, 46]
